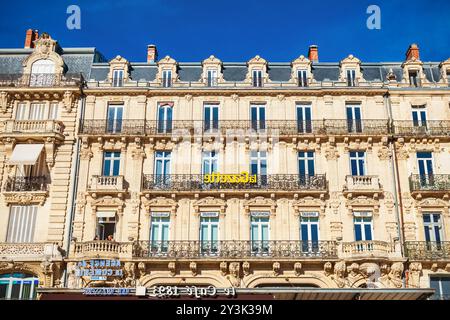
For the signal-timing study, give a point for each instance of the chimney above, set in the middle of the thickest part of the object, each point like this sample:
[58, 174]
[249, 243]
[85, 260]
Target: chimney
[313, 53]
[152, 53]
[413, 52]
[31, 35]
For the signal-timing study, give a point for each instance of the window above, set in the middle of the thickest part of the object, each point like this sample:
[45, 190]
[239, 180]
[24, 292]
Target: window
[425, 164]
[354, 123]
[159, 232]
[53, 111]
[209, 232]
[302, 79]
[413, 78]
[257, 78]
[309, 231]
[442, 287]
[209, 162]
[448, 77]
[167, 78]
[211, 117]
[21, 112]
[258, 117]
[115, 113]
[162, 167]
[117, 78]
[351, 75]
[419, 116]
[21, 225]
[42, 73]
[258, 166]
[432, 227]
[304, 123]
[111, 163]
[259, 232]
[37, 111]
[357, 163]
[106, 225]
[305, 166]
[165, 118]
[212, 77]
[18, 286]
[363, 226]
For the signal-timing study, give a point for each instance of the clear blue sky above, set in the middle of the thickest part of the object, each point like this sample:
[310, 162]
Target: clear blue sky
[236, 30]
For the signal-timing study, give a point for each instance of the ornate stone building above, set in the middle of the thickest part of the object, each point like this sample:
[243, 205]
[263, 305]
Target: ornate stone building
[251, 175]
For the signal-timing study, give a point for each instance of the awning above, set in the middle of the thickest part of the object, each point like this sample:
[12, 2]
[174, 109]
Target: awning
[26, 154]
[106, 214]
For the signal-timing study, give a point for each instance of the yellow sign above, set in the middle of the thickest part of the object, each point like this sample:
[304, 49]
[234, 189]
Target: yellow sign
[243, 177]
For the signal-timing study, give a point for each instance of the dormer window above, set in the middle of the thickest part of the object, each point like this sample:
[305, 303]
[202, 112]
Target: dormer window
[302, 79]
[117, 78]
[448, 78]
[212, 77]
[257, 78]
[351, 75]
[413, 78]
[42, 73]
[167, 78]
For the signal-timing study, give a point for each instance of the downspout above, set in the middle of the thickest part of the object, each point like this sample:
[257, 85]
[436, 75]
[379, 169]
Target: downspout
[395, 174]
[75, 174]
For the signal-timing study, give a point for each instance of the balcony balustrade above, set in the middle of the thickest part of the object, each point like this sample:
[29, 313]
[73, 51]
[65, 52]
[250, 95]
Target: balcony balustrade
[362, 184]
[33, 127]
[107, 183]
[26, 184]
[275, 182]
[372, 248]
[429, 183]
[41, 80]
[427, 250]
[101, 248]
[428, 128]
[29, 251]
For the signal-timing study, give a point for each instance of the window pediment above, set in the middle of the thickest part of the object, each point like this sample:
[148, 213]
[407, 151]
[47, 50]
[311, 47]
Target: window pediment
[210, 203]
[260, 203]
[45, 49]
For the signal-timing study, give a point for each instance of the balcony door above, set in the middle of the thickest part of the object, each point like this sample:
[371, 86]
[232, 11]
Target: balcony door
[211, 117]
[209, 162]
[305, 166]
[162, 168]
[111, 163]
[354, 122]
[212, 77]
[425, 165]
[258, 166]
[21, 224]
[106, 225]
[259, 232]
[114, 122]
[258, 117]
[357, 163]
[433, 230]
[209, 233]
[309, 231]
[165, 118]
[304, 123]
[419, 116]
[159, 232]
[363, 226]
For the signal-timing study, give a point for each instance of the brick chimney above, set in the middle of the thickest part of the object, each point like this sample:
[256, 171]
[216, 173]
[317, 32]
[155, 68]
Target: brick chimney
[413, 52]
[152, 53]
[313, 53]
[31, 35]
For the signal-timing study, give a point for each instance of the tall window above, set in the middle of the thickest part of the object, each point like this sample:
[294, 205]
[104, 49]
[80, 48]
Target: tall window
[304, 123]
[165, 118]
[209, 232]
[413, 78]
[363, 226]
[42, 73]
[159, 232]
[257, 78]
[211, 117]
[167, 78]
[162, 167]
[441, 285]
[258, 165]
[302, 79]
[209, 162]
[259, 232]
[305, 166]
[212, 77]
[114, 122]
[21, 224]
[357, 163]
[258, 117]
[18, 286]
[433, 227]
[36, 111]
[354, 122]
[419, 116]
[111, 163]
[425, 164]
[106, 225]
[118, 78]
[309, 231]
[351, 75]
[53, 111]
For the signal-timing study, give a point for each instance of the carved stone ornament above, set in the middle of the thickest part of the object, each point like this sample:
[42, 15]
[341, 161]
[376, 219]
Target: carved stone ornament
[309, 203]
[223, 268]
[363, 202]
[25, 198]
[69, 101]
[193, 268]
[298, 268]
[172, 268]
[108, 202]
[210, 203]
[394, 278]
[260, 202]
[415, 271]
[433, 203]
[276, 268]
[234, 270]
[161, 203]
[327, 268]
[246, 268]
[5, 101]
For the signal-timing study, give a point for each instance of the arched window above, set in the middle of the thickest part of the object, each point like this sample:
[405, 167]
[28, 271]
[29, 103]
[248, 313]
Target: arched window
[18, 286]
[42, 73]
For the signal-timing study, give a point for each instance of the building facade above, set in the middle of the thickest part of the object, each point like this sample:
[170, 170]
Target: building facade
[250, 175]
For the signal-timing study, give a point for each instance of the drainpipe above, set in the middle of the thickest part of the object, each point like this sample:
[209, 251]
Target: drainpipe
[395, 174]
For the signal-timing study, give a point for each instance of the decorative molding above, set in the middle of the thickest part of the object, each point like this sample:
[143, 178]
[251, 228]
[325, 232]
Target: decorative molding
[363, 202]
[260, 202]
[25, 198]
[107, 202]
[163, 203]
[309, 203]
[209, 203]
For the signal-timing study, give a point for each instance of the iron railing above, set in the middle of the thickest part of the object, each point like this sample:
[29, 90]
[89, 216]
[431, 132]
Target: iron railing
[236, 249]
[429, 182]
[187, 182]
[41, 80]
[426, 128]
[17, 184]
[427, 250]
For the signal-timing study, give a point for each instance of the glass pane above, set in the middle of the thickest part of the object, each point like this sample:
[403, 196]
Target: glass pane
[427, 233]
[3, 289]
[314, 232]
[106, 167]
[311, 167]
[368, 232]
[358, 234]
[116, 167]
[304, 232]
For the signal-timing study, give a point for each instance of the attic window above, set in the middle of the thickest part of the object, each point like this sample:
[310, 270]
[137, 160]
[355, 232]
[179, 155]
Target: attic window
[448, 77]
[413, 79]
[212, 77]
[351, 75]
[118, 78]
[302, 80]
[257, 78]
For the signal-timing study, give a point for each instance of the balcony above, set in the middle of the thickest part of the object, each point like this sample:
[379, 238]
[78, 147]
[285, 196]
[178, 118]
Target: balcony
[240, 249]
[26, 184]
[427, 250]
[370, 249]
[362, 184]
[429, 184]
[113, 127]
[101, 249]
[33, 129]
[107, 184]
[30, 251]
[237, 182]
[41, 80]
[431, 128]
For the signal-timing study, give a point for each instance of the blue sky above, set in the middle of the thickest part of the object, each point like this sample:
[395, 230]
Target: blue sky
[236, 30]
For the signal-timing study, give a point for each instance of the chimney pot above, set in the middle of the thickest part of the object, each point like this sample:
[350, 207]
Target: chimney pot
[412, 52]
[313, 53]
[152, 53]
[30, 36]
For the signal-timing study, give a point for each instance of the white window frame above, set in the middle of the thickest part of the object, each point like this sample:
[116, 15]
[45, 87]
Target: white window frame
[257, 78]
[302, 76]
[166, 78]
[211, 77]
[208, 157]
[360, 215]
[118, 77]
[351, 81]
[357, 158]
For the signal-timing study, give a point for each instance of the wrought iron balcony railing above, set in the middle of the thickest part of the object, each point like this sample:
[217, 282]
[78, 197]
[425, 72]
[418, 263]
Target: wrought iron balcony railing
[427, 128]
[236, 249]
[41, 80]
[429, 182]
[187, 182]
[427, 250]
[18, 184]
